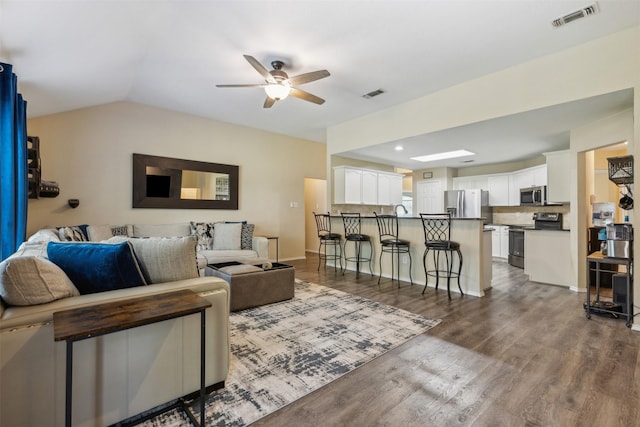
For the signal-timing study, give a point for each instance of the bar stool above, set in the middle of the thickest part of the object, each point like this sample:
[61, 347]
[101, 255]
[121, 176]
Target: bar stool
[437, 238]
[327, 238]
[390, 243]
[352, 233]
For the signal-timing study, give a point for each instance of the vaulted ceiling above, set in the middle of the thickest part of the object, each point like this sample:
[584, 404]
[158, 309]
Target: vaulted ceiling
[171, 54]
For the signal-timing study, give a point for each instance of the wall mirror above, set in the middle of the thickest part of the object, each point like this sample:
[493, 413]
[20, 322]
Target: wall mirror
[164, 182]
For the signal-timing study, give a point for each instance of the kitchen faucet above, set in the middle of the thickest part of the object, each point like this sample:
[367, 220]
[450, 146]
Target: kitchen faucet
[395, 209]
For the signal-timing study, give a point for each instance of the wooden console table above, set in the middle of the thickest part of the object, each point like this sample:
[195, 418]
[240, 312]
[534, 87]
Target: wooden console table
[87, 322]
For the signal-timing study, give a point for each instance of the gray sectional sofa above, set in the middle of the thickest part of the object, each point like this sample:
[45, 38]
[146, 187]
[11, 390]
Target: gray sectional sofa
[119, 375]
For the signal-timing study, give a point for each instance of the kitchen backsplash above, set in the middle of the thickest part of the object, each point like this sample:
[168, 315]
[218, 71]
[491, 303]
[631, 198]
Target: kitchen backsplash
[524, 214]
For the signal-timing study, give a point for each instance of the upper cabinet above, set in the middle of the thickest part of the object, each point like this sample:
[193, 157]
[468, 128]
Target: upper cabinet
[558, 166]
[498, 187]
[524, 178]
[471, 182]
[357, 186]
[504, 188]
[389, 188]
[347, 185]
[370, 185]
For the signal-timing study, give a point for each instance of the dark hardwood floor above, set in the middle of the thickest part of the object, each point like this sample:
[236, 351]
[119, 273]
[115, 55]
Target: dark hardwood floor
[524, 355]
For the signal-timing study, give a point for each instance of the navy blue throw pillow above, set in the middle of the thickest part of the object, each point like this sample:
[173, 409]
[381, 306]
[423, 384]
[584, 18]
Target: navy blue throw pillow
[97, 267]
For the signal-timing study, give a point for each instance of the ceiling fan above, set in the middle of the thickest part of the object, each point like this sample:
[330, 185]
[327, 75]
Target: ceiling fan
[278, 85]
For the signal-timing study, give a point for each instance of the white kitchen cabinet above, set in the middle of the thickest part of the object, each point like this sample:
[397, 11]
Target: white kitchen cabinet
[369, 187]
[389, 188]
[558, 168]
[347, 185]
[547, 257]
[516, 180]
[500, 241]
[540, 175]
[357, 186]
[470, 182]
[504, 241]
[495, 241]
[498, 187]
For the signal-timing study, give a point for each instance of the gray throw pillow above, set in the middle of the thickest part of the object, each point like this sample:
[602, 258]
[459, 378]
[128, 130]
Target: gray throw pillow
[27, 280]
[165, 259]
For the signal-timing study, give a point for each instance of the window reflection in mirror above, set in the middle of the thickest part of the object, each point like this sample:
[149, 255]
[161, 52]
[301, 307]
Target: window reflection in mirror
[204, 185]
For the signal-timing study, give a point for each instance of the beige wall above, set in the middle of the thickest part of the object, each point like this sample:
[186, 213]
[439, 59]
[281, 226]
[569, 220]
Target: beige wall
[595, 68]
[88, 152]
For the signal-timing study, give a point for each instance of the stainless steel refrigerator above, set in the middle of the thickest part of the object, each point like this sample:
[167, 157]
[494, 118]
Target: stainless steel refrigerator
[468, 204]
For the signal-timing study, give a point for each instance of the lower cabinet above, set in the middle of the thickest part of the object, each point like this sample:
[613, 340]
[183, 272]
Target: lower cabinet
[500, 241]
[547, 257]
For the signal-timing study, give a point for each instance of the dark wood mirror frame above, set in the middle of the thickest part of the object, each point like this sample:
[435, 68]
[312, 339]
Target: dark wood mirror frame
[173, 200]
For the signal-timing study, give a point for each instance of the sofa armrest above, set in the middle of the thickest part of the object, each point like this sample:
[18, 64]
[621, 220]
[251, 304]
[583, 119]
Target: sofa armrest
[260, 244]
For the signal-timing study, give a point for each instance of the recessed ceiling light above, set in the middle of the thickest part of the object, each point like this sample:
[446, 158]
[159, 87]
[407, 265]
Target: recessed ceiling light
[443, 156]
[399, 148]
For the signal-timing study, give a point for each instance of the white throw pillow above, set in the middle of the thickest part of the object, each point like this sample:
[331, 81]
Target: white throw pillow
[227, 236]
[26, 280]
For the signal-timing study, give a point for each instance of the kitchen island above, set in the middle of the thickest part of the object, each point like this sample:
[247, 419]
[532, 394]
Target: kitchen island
[475, 245]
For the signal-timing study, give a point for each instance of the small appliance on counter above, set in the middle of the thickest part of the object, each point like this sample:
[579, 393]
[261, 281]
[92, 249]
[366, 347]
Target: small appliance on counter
[619, 241]
[603, 214]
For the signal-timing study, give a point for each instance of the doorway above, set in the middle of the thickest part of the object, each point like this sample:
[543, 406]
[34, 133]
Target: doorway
[315, 200]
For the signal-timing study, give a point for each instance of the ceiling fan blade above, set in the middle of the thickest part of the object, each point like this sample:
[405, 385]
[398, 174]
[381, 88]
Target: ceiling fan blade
[247, 85]
[306, 96]
[268, 103]
[259, 68]
[308, 77]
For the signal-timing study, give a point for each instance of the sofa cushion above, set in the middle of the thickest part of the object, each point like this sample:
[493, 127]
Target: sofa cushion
[226, 236]
[97, 233]
[27, 280]
[97, 267]
[44, 235]
[161, 230]
[165, 259]
[217, 256]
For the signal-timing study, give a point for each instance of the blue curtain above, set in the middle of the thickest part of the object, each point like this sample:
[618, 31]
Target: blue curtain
[14, 186]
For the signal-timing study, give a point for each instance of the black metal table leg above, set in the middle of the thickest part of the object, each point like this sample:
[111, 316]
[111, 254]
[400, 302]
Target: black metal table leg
[68, 384]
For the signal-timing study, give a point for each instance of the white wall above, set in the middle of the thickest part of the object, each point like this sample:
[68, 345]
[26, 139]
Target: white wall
[88, 152]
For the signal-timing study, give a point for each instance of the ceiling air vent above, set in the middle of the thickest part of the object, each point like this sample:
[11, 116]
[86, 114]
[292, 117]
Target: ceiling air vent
[578, 14]
[373, 93]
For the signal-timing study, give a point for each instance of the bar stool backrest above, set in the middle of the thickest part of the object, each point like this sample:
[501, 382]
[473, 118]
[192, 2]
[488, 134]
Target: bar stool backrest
[387, 226]
[437, 228]
[352, 224]
[323, 222]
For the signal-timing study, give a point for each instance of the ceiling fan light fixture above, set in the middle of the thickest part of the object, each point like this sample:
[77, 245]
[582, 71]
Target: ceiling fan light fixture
[278, 91]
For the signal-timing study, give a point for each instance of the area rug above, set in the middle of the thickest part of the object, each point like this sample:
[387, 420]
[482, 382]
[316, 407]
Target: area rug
[282, 352]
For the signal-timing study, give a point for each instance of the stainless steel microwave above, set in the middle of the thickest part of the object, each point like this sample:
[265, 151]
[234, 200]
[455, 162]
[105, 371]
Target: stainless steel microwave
[533, 196]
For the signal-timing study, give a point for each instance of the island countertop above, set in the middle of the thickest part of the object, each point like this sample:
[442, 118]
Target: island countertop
[475, 246]
[366, 216]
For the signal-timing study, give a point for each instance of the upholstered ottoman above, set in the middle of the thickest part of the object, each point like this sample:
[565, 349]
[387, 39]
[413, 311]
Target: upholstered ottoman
[252, 286]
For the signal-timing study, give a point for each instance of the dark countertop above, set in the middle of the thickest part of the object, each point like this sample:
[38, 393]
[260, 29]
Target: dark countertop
[411, 217]
[525, 227]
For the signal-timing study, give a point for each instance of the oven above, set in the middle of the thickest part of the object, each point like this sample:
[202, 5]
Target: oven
[516, 246]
